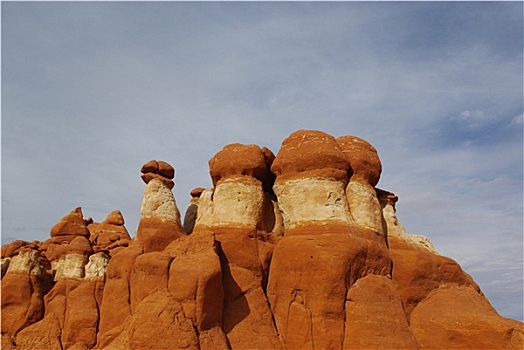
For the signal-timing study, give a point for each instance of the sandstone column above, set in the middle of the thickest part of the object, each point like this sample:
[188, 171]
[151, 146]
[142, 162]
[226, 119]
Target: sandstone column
[237, 212]
[312, 174]
[160, 221]
[323, 252]
[360, 192]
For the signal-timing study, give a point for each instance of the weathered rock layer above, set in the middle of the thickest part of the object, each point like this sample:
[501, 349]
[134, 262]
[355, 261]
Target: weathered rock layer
[294, 251]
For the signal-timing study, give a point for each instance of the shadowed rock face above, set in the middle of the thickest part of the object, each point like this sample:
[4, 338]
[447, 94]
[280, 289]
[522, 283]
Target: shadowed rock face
[365, 169]
[294, 251]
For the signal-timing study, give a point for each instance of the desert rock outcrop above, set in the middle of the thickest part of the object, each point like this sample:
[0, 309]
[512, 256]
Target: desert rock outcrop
[295, 251]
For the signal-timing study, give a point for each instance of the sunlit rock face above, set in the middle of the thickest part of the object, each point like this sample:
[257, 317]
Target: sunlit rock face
[295, 251]
[311, 177]
[324, 250]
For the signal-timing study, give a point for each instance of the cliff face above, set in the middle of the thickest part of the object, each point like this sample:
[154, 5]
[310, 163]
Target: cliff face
[294, 251]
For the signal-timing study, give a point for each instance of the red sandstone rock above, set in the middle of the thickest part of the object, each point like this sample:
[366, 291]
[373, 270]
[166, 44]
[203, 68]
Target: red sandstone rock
[375, 317]
[311, 178]
[236, 211]
[13, 248]
[23, 288]
[459, 317]
[65, 239]
[158, 170]
[115, 218]
[22, 302]
[150, 273]
[83, 302]
[247, 318]
[55, 301]
[418, 271]
[159, 323]
[309, 153]
[54, 251]
[110, 234]
[309, 280]
[116, 307]
[303, 266]
[80, 245]
[270, 156]
[71, 224]
[156, 234]
[166, 170]
[150, 176]
[150, 167]
[196, 192]
[239, 160]
[44, 335]
[363, 158]
[195, 279]
[160, 222]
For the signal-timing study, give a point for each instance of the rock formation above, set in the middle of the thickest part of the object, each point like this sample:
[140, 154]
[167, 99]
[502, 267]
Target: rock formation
[110, 236]
[160, 221]
[295, 251]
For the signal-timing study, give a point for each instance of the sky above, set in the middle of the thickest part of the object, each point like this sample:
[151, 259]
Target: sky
[93, 90]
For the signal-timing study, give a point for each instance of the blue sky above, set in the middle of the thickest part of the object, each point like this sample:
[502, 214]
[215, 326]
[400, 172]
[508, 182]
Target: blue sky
[92, 90]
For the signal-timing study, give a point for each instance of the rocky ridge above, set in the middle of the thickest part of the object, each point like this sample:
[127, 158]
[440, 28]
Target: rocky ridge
[295, 251]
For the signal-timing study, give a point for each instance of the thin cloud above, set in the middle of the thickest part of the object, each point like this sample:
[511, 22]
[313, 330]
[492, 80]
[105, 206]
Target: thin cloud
[473, 119]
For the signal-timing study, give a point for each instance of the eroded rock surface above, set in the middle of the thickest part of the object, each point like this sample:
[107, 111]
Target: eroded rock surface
[160, 220]
[295, 251]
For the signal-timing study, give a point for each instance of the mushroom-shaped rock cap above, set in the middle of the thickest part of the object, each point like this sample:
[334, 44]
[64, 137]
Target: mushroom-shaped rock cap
[150, 176]
[363, 159]
[79, 245]
[240, 160]
[150, 167]
[386, 197]
[196, 192]
[166, 170]
[158, 169]
[310, 153]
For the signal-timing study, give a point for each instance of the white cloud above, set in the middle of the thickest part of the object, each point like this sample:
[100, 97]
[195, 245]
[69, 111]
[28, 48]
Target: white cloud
[474, 117]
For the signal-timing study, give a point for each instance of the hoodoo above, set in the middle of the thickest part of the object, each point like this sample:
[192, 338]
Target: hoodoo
[295, 251]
